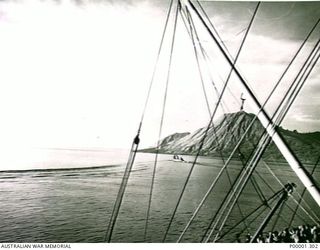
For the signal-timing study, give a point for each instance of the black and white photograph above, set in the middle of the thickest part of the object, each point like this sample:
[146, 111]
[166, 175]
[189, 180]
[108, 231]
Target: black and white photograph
[159, 121]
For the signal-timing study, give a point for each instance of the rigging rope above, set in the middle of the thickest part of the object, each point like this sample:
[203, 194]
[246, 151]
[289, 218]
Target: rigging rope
[266, 205]
[198, 62]
[253, 162]
[252, 179]
[198, 153]
[250, 222]
[221, 171]
[281, 184]
[288, 104]
[157, 62]
[161, 122]
[315, 218]
[193, 33]
[257, 188]
[221, 204]
[268, 185]
[297, 91]
[194, 162]
[291, 103]
[232, 204]
[240, 186]
[215, 30]
[266, 120]
[125, 178]
[206, 58]
[293, 58]
[192, 167]
[277, 218]
[298, 203]
[221, 103]
[134, 146]
[301, 81]
[260, 193]
[218, 36]
[255, 185]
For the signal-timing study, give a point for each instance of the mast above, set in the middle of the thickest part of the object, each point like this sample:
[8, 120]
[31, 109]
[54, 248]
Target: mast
[264, 118]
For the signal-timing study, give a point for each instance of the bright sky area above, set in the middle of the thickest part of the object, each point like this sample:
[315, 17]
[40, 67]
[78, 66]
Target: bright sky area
[76, 74]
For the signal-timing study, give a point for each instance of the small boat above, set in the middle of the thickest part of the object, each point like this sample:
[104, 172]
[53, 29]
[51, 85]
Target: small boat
[177, 158]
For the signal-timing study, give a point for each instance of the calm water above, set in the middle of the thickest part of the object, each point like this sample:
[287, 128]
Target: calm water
[74, 205]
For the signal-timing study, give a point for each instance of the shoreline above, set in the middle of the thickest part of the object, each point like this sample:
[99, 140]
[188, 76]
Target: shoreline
[59, 169]
[65, 169]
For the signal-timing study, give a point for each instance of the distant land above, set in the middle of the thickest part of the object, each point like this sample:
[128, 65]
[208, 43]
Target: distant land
[226, 133]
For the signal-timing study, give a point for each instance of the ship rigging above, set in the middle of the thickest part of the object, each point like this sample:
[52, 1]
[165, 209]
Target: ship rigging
[193, 15]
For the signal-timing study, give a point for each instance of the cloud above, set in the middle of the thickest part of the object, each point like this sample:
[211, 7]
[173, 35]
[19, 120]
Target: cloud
[279, 20]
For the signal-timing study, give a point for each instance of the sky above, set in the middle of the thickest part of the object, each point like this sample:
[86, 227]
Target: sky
[75, 74]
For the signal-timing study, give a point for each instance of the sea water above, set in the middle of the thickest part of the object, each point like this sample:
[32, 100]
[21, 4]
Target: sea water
[67, 195]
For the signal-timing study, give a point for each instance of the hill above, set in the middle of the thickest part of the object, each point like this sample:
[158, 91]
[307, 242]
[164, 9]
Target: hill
[225, 134]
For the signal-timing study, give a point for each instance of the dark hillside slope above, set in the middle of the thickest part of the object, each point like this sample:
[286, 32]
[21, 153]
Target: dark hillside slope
[225, 134]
